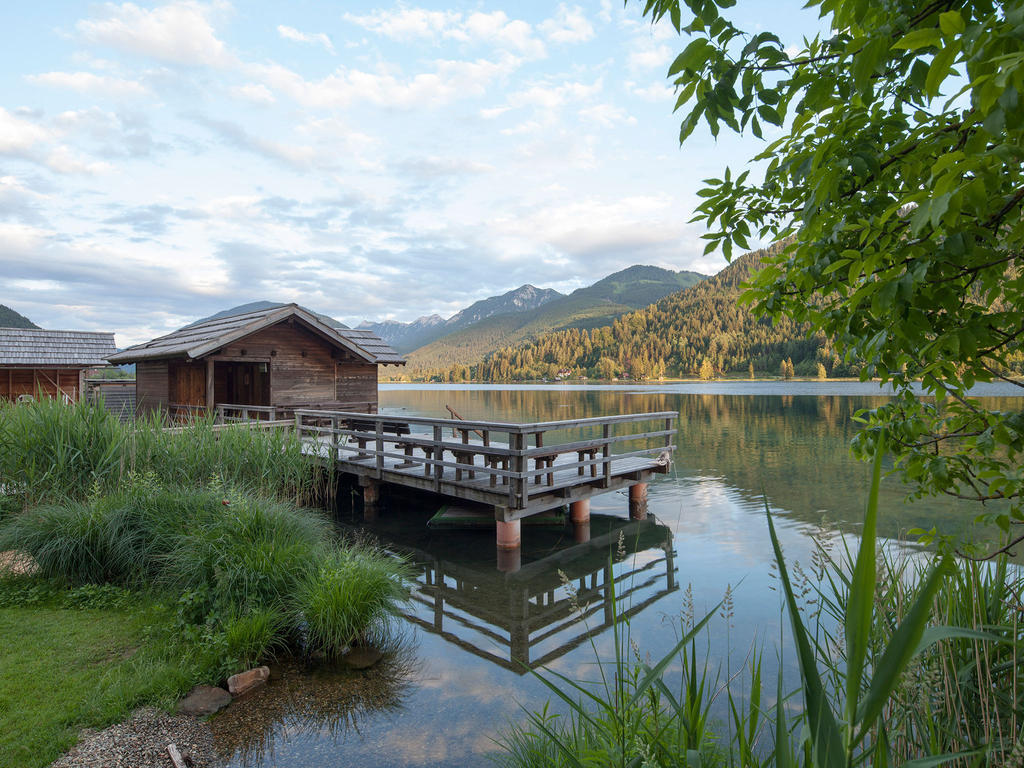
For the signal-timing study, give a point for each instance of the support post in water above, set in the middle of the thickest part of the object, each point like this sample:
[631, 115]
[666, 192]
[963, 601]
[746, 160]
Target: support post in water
[638, 501]
[371, 498]
[508, 534]
[579, 514]
[579, 511]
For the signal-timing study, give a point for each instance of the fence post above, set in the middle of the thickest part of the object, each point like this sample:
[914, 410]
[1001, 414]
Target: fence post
[380, 448]
[334, 438]
[438, 454]
[606, 455]
[519, 463]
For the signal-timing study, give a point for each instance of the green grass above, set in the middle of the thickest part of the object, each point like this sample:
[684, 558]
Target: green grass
[66, 669]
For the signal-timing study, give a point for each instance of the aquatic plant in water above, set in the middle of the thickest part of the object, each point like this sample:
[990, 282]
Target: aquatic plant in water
[860, 701]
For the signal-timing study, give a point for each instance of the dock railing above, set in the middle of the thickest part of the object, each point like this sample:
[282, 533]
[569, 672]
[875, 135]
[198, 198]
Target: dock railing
[562, 453]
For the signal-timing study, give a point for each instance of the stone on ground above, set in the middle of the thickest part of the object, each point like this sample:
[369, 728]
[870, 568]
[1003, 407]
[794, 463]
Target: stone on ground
[246, 681]
[204, 700]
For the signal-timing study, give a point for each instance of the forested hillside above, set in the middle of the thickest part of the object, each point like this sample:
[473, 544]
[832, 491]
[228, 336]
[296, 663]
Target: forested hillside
[703, 327]
[590, 307]
[11, 319]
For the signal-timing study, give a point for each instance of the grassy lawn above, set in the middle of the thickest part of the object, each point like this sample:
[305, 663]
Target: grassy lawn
[66, 669]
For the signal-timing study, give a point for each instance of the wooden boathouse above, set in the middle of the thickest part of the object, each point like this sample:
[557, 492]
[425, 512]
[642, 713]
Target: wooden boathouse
[274, 360]
[288, 366]
[39, 363]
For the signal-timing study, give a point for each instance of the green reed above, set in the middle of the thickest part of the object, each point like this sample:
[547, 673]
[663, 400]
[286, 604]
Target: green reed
[50, 451]
[913, 661]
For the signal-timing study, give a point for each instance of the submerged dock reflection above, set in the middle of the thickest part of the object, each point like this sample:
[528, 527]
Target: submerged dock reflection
[558, 597]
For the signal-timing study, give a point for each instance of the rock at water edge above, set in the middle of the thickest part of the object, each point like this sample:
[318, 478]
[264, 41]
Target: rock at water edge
[204, 700]
[244, 682]
[362, 656]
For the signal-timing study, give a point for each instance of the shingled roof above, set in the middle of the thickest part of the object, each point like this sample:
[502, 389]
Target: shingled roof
[208, 336]
[35, 348]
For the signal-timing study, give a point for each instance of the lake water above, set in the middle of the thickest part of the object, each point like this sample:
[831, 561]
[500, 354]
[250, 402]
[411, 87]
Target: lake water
[472, 632]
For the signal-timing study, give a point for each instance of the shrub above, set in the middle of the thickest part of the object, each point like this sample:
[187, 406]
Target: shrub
[249, 552]
[349, 595]
[82, 542]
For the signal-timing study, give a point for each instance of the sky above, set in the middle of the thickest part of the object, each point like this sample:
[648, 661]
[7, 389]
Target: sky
[161, 161]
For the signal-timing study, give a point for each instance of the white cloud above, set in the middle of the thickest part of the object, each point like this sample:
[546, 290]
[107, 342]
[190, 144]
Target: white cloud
[568, 25]
[606, 115]
[87, 82]
[290, 33]
[654, 92]
[179, 32]
[495, 28]
[650, 57]
[449, 81]
[63, 160]
[257, 93]
[408, 23]
[17, 135]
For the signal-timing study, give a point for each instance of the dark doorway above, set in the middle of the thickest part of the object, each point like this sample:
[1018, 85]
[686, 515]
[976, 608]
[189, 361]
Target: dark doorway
[241, 383]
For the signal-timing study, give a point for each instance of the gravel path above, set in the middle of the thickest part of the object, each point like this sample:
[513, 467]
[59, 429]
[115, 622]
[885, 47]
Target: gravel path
[141, 742]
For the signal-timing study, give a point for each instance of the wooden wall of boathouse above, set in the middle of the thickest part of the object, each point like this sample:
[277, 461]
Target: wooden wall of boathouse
[60, 383]
[286, 365]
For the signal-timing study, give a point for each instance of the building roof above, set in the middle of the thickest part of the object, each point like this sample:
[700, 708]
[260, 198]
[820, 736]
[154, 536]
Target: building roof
[36, 348]
[208, 336]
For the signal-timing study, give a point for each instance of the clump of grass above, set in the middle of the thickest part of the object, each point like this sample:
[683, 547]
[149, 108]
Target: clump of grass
[52, 452]
[249, 552]
[246, 571]
[83, 542]
[347, 596]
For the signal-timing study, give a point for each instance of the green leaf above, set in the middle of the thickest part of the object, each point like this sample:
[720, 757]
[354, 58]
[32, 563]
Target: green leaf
[862, 593]
[939, 69]
[919, 38]
[902, 647]
[951, 23]
[825, 738]
[693, 56]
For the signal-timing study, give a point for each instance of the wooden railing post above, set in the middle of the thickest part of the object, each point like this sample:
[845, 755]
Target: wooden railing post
[606, 454]
[438, 454]
[334, 438]
[380, 449]
[521, 486]
[668, 428]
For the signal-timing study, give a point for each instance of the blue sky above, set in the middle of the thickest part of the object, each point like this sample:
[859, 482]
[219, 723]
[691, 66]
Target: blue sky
[161, 161]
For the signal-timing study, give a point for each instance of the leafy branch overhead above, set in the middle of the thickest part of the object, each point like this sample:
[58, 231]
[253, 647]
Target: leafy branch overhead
[892, 166]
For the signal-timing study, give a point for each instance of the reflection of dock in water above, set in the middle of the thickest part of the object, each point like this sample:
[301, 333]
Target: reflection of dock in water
[509, 614]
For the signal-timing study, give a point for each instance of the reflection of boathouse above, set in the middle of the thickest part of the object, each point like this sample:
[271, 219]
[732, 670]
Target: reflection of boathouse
[502, 617]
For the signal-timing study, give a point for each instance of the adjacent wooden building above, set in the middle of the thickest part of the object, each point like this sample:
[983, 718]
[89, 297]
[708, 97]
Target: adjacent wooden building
[285, 357]
[35, 363]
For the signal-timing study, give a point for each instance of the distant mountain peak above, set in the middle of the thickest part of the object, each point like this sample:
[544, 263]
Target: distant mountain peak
[11, 319]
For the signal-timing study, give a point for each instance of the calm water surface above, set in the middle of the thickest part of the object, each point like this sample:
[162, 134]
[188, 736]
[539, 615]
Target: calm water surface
[472, 632]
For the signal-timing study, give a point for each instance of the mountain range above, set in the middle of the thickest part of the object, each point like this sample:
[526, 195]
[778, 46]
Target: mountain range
[704, 328]
[11, 319]
[486, 326]
[405, 337]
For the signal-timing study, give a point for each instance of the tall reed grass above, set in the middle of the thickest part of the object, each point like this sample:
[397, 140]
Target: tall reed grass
[903, 661]
[50, 451]
[246, 575]
[208, 520]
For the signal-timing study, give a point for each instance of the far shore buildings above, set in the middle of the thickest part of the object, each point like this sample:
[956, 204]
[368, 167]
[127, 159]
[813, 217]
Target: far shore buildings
[282, 357]
[38, 363]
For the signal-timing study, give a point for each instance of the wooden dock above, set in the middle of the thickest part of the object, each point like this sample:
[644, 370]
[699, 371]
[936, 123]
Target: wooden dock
[518, 469]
